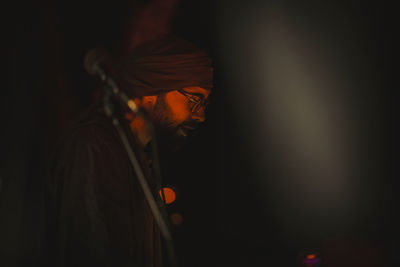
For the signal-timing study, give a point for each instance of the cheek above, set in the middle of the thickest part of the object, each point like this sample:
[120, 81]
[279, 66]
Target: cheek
[178, 107]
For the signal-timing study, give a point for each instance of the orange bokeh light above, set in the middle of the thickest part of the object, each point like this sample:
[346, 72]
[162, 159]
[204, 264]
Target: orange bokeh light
[169, 194]
[176, 219]
[311, 256]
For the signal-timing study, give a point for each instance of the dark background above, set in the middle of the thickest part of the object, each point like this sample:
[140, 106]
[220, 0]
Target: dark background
[225, 219]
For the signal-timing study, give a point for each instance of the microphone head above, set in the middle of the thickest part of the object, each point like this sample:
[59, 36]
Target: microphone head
[94, 58]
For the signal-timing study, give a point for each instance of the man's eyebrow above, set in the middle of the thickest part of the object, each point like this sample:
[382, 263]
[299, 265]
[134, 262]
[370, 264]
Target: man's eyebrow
[196, 94]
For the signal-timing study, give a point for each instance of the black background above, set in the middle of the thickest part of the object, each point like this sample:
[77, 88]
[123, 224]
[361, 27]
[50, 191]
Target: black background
[219, 202]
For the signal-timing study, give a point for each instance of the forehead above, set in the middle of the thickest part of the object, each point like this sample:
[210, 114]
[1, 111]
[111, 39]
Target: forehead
[197, 90]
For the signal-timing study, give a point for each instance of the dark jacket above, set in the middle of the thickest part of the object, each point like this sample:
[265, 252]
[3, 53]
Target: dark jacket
[97, 213]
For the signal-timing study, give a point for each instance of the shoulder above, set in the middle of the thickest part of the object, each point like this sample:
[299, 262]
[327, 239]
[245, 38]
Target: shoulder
[91, 149]
[92, 129]
[92, 137]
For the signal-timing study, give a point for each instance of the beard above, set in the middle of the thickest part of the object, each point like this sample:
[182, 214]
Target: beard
[170, 134]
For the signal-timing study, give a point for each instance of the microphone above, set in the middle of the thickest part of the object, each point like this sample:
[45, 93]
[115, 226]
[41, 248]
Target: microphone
[93, 63]
[94, 60]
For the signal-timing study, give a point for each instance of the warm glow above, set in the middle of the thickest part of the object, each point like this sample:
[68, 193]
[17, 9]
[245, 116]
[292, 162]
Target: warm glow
[169, 194]
[311, 256]
[178, 103]
[132, 105]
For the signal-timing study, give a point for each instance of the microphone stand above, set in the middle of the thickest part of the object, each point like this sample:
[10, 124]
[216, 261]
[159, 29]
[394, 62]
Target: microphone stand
[159, 216]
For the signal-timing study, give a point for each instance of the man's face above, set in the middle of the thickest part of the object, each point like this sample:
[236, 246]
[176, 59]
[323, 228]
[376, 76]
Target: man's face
[177, 112]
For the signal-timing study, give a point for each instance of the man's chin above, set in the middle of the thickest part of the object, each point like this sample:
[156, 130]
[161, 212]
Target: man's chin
[171, 139]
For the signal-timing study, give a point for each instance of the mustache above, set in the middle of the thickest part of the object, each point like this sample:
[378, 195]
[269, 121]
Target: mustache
[172, 127]
[192, 124]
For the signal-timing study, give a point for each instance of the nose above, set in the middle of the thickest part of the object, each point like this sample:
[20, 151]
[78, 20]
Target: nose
[199, 116]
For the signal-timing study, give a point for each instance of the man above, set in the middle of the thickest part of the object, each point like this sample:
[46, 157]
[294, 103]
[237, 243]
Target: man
[178, 112]
[98, 215]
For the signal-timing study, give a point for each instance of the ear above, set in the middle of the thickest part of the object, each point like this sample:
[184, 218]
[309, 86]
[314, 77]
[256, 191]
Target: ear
[149, 101]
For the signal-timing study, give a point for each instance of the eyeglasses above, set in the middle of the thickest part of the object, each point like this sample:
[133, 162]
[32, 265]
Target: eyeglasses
[195, 102]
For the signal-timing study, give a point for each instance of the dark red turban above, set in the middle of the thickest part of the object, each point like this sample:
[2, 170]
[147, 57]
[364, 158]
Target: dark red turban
[164, 64]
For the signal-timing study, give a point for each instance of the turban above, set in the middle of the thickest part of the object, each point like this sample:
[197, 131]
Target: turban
[164, 64]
